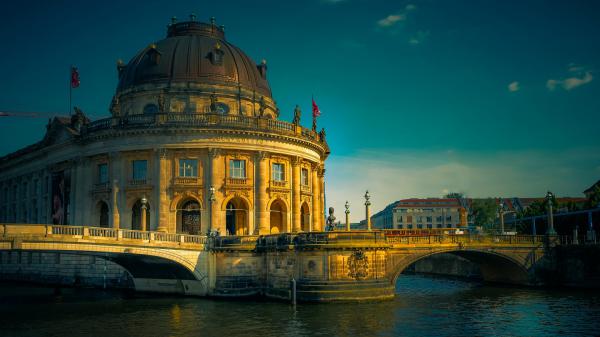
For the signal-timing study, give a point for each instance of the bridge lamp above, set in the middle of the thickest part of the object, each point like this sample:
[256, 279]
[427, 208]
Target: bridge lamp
[367, 210]
[501, 213]
[347, 211]
[551, 231]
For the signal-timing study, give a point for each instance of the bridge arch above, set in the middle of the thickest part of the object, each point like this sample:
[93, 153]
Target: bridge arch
[494, 266]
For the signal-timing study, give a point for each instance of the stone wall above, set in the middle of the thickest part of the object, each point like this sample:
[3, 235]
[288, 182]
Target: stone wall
[446, 265]
[62, 269]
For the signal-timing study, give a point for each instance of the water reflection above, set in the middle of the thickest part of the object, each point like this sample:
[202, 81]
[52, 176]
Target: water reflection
[423, 307]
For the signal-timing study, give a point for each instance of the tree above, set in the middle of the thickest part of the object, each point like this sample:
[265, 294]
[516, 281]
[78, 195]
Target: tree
[484, 212]
[593, 198]
[454, 195]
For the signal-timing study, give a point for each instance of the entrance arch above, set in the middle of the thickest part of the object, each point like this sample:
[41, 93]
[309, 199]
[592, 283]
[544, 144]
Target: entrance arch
[188, 217]
[278, 217]
[136, 216]
[305, 218]
[236, 217]
[102, 214]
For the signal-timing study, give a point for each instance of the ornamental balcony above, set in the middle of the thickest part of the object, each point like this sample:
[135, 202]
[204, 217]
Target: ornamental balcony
[187, 181]
[305, 189]
[278, 184]
[205, 120]
[236, 181]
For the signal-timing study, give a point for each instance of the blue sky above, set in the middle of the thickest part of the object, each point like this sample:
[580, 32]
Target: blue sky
[418, 97]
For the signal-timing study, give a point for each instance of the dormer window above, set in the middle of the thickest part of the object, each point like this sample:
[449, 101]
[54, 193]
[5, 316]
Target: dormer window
[216, 55]
[153, 54]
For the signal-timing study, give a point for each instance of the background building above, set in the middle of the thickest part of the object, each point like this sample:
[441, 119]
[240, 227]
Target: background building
[193, 144]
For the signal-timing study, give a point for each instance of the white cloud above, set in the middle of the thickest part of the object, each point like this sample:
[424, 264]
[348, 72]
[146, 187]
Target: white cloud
[391, 20]
[580, 76]
[391, 176]
[410, 7]
[419, 37]
[514, 86]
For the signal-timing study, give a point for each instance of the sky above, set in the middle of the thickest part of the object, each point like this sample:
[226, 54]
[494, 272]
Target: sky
[418, 98]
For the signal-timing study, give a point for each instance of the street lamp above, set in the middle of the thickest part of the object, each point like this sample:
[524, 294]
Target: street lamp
[144, 208]
[367, 209]
[347, 205]
[501, 213]
[211, 199]
[551, 231]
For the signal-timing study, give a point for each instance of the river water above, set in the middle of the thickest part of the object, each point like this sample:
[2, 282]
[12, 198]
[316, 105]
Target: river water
[423, 307]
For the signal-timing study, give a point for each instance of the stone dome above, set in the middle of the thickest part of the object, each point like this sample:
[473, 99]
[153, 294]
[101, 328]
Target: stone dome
[194, 52]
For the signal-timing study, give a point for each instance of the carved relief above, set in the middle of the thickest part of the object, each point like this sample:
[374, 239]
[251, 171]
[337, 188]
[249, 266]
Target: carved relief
[358, 265]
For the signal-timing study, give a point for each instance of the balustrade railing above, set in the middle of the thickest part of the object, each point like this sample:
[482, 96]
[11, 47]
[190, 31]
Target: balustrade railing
[237, 181]
[202, 120]
[103, 232]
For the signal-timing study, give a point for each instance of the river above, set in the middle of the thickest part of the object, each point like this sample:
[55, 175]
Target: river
[423, 307]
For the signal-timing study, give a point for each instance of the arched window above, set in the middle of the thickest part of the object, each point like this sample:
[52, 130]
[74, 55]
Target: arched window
[189, 217]
[150, 108]
[103, 208]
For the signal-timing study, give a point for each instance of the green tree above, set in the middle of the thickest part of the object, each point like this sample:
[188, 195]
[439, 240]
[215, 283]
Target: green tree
[454, 195]
[593, 198]
[484, 212]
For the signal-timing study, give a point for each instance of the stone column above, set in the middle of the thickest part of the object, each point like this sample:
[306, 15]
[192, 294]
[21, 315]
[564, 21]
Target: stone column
[215, 213]
[262, 180]
[322, 205]
[368, 209]
[162, 204]
[116, 168]
[143, 216]
[347, 211]
[115, 204]
[316, 195]
[296, 224]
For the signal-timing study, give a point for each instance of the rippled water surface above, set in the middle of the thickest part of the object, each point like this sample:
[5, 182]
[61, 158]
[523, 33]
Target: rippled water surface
[423, 307]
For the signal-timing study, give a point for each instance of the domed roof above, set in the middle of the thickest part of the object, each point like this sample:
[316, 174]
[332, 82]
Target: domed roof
[194, 52]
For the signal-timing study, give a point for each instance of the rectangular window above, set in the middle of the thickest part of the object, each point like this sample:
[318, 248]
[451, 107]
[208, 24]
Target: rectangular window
[419, 219]
[102, 173]
[140, 169]
[438, 218]
[449, 218]
[188, 168]
[400, 219]
[304, 177]
[237, 169]
[278, 172]
[429, 219]
[409, 218]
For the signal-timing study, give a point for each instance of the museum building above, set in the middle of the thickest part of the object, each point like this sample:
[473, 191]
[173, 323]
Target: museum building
[193, 145]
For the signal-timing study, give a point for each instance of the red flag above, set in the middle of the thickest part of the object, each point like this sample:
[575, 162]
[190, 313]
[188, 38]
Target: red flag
[316, 111]
[74, 77]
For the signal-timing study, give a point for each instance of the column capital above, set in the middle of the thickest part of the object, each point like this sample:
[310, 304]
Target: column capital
[213, 152]
[161, 152]
[262, 155]
[296, 160]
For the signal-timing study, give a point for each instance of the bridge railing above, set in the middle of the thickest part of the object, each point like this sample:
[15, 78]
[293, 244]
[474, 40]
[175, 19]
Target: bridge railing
[484, 239]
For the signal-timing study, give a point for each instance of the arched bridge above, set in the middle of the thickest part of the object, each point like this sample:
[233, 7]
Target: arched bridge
[324, 265]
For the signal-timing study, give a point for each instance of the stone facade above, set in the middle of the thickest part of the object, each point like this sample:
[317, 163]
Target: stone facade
[187, 149]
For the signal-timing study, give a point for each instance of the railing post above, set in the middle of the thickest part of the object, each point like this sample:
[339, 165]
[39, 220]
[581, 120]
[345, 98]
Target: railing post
[119, 234]
[151, 237]
[181, 239]
[86, 231]
[48, 230]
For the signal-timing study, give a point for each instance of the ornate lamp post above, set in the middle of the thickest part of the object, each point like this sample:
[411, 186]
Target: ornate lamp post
[143, 215]
[367, 209]
[501, 213]
[211, 199]
[551, 231]
[347, 205]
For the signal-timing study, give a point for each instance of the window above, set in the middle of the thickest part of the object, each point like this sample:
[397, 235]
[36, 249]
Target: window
[429, 219]
[304, 177]
[438, 218]
[278, 172]
[400, 226]
[140, 169]
[400, 218]
[439, 225]
[237, 169]
[102, 173]
[429, 226]
[409, 218]
[449, 218]
[410, 226]
[188, 168]
[419, 219]
[420, 226]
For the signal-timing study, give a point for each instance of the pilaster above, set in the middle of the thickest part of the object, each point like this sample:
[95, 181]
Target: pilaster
[163, 173]
[262, 179]
[296, 224]
[316, 195]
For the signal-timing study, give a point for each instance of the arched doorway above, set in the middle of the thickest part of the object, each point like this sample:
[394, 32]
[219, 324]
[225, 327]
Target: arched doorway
[102, 209]
[136, 216]
[278, 212]
[305, 218]
[236, 217]
[188, 217]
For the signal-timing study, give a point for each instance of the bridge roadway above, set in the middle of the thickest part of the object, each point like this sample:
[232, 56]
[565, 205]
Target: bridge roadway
[325, 266]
